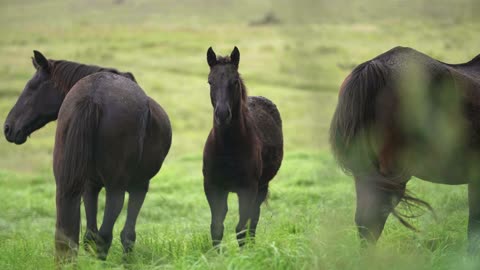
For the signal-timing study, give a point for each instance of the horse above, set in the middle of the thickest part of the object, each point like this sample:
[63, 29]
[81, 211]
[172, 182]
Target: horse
[109, 134]
[243, 151]
[404, 114]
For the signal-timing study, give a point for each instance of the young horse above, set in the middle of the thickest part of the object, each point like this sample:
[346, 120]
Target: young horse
[404, 114]
[244, 150]
[109, 134]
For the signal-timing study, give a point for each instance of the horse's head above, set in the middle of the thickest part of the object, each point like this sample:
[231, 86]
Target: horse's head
[37, 105]
[226, 91]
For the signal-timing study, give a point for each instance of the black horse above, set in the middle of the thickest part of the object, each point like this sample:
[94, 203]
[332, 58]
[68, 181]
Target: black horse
[244, 149]
[404, 114]
[109, 134]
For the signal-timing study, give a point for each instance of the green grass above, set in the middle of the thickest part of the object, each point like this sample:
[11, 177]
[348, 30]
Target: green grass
[299, 64]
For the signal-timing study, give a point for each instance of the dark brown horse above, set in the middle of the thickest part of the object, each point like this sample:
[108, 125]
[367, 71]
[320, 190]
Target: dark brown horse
[404, 114]
[244, 149]
[109, 134]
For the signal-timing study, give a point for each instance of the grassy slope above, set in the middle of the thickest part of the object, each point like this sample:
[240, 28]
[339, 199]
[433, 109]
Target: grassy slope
[308, 222]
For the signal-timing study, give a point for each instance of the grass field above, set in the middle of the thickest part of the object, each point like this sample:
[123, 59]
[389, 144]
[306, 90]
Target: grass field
[298, 63]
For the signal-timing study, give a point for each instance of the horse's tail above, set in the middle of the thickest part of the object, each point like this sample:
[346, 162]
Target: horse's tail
[355, 115]
[352, 127]
[78, 159]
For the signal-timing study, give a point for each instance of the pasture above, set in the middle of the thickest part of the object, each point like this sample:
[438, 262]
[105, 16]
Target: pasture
[298, 63]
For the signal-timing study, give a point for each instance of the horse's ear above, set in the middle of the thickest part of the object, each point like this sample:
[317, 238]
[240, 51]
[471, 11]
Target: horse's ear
[235, 56]
[34, 63]
[130, 76]
[40, 60]
[211, 57]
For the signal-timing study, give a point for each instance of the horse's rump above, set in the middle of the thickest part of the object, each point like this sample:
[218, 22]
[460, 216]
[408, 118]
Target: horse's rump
[267, 120]
[269, 128]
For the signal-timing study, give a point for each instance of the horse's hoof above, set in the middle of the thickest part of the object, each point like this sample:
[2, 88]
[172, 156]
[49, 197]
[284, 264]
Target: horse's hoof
[102, 252]
[103, 245]
[246, 241]
[102, 257]
[473, 250]
[218, 247]
[89, 241]
[128, 241]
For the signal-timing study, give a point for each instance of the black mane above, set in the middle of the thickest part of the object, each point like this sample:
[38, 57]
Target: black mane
[65, 73]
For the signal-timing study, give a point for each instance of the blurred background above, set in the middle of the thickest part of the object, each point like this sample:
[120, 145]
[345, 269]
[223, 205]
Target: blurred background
[297, 54]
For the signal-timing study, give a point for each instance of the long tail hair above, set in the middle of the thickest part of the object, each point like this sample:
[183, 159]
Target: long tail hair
[352, 126]
[78, 163]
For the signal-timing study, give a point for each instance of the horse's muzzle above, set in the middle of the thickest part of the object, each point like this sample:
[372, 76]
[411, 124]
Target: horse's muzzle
[223, 115]
[17, 137]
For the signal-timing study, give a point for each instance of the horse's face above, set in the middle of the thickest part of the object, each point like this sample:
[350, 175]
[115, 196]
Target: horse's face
[225, 89]
[37, 105]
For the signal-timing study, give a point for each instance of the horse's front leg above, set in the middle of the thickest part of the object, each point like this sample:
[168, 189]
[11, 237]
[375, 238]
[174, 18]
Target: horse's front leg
[217, 200]
[474, 217]
[374, 205]
[246, 204]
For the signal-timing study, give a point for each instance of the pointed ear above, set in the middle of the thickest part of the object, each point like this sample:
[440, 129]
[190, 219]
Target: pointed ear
[211, 57]
[34, 63]
[235, 56]
[130, 76]
[40, 60]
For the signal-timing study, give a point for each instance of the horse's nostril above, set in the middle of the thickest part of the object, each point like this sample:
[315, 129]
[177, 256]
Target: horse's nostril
[7, 130]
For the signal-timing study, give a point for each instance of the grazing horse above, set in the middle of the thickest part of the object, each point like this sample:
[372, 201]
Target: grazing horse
[405, 114]
[244, 149]
[109, 134]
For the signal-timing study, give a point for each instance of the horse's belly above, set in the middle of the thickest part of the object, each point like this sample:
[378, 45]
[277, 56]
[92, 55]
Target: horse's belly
[441, 179]
[451, 171]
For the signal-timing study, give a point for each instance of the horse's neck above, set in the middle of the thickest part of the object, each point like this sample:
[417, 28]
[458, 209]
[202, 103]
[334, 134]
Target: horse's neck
[67, 79]
[79, 77]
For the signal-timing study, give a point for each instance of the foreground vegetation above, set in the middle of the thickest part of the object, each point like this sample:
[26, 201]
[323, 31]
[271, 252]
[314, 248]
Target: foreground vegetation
[298, 63]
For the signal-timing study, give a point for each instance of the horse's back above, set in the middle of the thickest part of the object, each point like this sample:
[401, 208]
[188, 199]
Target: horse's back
[404, 61]
[269, 128]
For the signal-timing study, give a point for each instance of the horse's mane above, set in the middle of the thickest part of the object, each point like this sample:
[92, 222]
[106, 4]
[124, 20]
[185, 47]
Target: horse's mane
[65, 73]
[243, 89]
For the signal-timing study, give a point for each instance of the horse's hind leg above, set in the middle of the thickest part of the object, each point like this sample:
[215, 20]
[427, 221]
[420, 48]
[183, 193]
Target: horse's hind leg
[135, 202]
[474, 217]
[90, 200]
[374, 204]
[113, 207]
[68, 226]
[217, 200]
